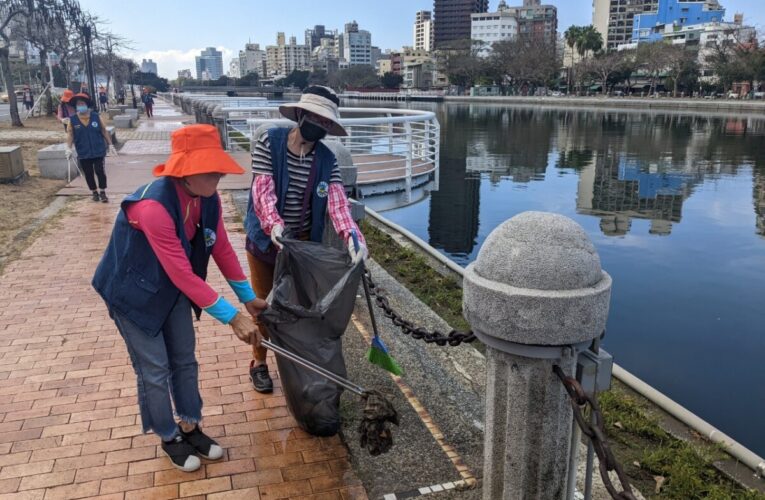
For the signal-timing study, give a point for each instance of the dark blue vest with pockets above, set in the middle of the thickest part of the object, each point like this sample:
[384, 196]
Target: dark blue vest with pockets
[325, 162]
[131, 279]
[88, 139]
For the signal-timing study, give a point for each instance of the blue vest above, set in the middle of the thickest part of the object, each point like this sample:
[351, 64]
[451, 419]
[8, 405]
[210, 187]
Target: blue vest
[88, 140]
[325, 162]
[131, 279]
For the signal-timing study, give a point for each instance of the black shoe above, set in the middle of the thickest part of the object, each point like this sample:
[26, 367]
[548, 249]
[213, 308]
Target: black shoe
[95, 196]
[103, 197]
[260, 378]
[182, 454]
[202, 444]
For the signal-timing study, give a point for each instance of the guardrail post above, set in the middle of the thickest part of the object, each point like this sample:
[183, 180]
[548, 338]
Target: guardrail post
[533, 311]
[437, 153]
[409, 140]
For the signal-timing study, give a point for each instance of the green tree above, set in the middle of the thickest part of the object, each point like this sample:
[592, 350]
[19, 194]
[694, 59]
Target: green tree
[297, 79]
[589, 40]
[571, 36]
[391, 80]
[251, 79]
[318, 77]
[361, 76]
[150, 80]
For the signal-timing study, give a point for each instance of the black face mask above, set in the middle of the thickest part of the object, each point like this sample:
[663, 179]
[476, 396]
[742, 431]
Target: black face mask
[311, 132]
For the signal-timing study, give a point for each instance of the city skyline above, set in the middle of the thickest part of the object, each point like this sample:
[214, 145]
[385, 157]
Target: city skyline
[173, 47]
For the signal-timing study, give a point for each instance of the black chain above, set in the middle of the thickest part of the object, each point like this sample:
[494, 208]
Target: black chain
[597, 435]
[454, 338]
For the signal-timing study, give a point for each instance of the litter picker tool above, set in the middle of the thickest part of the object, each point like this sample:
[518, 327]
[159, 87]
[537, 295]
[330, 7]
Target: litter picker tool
[375, 434]
[377, 354]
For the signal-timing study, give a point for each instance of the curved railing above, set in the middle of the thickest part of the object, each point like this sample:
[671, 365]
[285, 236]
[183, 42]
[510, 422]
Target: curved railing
[386, 144]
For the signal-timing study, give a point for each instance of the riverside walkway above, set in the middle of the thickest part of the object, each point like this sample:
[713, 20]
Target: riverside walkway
[69, 424]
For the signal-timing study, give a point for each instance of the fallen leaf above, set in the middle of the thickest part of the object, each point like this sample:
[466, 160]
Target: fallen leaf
[659, 483]
[618, 425]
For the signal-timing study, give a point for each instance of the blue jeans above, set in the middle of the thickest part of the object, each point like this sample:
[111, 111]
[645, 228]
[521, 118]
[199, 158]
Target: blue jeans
[165, 368]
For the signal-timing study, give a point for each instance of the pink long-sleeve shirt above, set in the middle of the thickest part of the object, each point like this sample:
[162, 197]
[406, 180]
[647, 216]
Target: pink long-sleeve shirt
[264, 196]
[151, 218]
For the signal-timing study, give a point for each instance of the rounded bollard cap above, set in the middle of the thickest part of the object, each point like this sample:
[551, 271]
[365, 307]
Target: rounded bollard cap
[541, 251]
[537, 280]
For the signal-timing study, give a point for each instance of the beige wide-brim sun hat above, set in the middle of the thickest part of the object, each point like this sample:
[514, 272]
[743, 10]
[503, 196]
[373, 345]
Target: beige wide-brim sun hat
[317, 105]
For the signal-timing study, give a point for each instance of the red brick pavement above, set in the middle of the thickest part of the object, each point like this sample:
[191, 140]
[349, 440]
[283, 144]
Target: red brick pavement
[69, 424]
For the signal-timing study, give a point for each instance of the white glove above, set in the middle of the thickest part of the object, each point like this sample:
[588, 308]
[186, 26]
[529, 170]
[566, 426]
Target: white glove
[69, 152]
[276, 232]
[112, 150]
[356, 256]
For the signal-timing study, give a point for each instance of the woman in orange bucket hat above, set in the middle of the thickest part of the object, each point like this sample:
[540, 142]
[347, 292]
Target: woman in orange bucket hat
[152, 275]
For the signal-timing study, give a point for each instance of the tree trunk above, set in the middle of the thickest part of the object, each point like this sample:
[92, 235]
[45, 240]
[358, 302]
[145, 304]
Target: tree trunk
[8, 81]
[677, 86]
[45, 80]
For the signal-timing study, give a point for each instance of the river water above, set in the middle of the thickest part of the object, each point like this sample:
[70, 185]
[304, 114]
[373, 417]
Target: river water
[675, 205]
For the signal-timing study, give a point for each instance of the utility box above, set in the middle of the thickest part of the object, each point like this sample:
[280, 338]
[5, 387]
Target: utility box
[11, 164]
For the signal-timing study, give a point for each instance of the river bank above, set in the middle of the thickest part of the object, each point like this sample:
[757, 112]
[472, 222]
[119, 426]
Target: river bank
[644, 104]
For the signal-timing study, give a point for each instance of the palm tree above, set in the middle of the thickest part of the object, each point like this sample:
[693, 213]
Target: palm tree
[572, 35]
[589, 40]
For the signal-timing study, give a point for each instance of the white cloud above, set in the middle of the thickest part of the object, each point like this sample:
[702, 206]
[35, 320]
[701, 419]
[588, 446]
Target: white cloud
[170, 61]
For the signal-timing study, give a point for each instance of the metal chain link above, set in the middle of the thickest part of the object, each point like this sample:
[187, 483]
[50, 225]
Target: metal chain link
[453, 338]
[597, 434]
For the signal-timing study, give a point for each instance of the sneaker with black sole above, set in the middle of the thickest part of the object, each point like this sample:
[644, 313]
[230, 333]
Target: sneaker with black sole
[182, 454]
[204, 446]
[261, 380]
[103, 197]
[96, 197]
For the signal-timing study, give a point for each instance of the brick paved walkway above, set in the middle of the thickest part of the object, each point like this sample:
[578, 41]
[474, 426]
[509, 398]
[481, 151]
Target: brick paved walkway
[69, 426]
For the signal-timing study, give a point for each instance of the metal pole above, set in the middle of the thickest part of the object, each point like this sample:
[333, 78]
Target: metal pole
[408, 129]
[590, 450]
[573, 459]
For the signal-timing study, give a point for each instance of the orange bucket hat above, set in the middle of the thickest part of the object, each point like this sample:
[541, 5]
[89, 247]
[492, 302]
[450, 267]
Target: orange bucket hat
[196, 149]
[67, 96]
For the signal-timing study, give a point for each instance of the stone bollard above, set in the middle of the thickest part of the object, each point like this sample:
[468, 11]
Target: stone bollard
[536, 295]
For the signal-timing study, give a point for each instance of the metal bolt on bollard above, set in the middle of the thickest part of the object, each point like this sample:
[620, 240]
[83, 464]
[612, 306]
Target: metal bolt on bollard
[536, 296]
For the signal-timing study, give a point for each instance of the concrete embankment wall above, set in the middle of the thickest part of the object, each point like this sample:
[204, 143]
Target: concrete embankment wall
[664, 104]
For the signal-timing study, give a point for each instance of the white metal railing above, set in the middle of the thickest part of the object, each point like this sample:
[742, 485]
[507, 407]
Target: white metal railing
[386, 144]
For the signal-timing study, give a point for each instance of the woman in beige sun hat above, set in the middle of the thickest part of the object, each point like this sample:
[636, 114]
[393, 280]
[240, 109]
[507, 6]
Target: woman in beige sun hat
[296, 183]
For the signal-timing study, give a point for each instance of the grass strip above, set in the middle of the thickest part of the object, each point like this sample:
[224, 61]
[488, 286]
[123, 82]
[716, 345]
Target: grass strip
[649, 454]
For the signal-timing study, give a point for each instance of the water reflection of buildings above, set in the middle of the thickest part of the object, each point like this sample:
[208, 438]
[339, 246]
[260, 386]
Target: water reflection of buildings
[618, 190]
[759, 199]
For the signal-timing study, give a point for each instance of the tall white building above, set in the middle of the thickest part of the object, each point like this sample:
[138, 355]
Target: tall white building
[148, 66]
[423, 31]
[357, 45]
[252, 60]
[233, 68]
[488, 28]
[283, 58]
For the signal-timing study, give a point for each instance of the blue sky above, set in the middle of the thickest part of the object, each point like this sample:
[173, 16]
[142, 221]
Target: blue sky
[173, 32]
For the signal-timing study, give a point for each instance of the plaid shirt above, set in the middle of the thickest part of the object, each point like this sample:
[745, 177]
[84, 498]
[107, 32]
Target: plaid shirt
[264, 200]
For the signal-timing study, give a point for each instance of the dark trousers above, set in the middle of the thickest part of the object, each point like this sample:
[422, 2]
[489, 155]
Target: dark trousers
[149, 110]
[92, 168]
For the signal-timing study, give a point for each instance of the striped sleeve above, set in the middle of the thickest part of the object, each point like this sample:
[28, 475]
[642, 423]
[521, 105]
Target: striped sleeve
[336, 177]
[261, 156]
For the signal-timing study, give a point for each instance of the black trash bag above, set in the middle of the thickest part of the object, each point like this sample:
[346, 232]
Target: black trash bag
[311, 303]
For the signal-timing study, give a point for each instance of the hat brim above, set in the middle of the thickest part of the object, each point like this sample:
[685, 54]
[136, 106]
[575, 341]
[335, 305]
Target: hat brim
[289, 111]
[76, 98]
[198, 161]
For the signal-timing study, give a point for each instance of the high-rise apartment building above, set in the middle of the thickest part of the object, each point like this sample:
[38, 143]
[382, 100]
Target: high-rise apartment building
[491, 27]
[148, 66]
[252, 60]
[234, 68]
[536, 20]
[356, 45]
[210, 62]
[423, 31]
[674, 15]
[452, 19]
[314, 37]
[614, 19]
[283, 58]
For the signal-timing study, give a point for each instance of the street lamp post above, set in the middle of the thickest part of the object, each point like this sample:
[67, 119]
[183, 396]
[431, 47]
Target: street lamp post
[87, 34]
